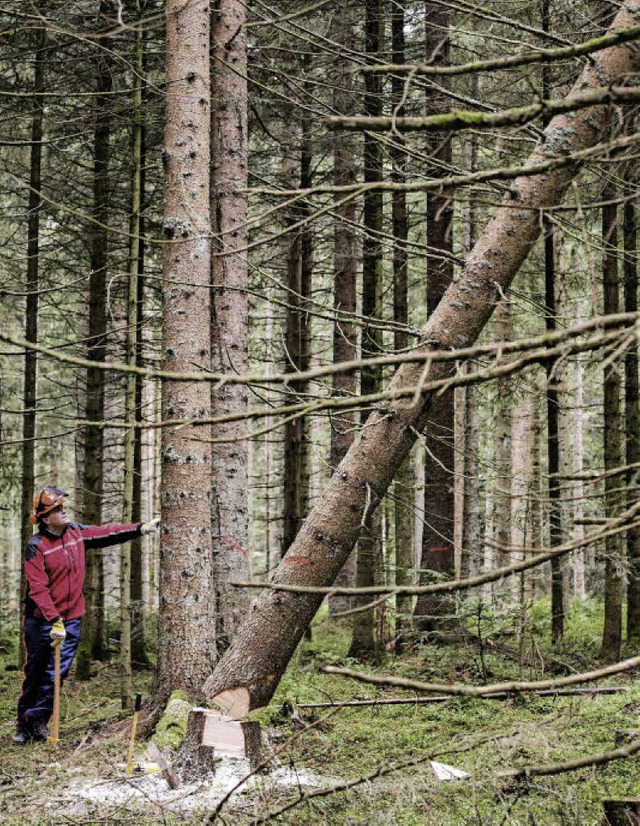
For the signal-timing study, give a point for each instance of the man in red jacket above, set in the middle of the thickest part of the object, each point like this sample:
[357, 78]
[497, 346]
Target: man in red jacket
[54, 566]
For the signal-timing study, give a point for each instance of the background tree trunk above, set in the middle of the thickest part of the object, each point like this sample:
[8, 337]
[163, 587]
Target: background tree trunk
[612, 631]
[404, 486]
[133, 393]
[437, 538]
[363, 642]
[296, 430]
[343, 424]
[632, 411]
[30, 381]
[93, 642]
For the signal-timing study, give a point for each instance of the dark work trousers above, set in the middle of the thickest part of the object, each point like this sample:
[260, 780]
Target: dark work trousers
[36, 701]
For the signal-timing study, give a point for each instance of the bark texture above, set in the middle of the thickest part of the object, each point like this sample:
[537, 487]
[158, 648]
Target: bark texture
[230, 311]
[186, 626]
[277, 621]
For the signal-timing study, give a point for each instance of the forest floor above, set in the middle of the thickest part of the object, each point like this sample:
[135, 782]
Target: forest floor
[353, 765]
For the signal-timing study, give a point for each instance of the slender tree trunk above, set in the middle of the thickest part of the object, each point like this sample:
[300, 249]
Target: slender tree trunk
[93, 643]
[521, 464]
[553, 454]
[612, 631]
[133, 396]
[437, 540]
[363, 643]
[229, 146]
[404, 485]
[501, 505]
[269, 636]
[29, 389]
[632, 412]
[343, 425]
[187, 620]
[296, 431]
[139, 655]
[472, 496]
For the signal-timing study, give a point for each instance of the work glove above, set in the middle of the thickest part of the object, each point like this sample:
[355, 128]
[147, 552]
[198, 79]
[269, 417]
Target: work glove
[57, 632]
[150, 527]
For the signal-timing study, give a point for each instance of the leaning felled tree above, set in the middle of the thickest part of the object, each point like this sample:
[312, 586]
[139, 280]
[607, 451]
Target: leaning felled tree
[254, 664]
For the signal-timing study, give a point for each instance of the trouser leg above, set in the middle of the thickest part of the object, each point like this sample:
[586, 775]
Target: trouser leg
[37, 645]
[36, 702]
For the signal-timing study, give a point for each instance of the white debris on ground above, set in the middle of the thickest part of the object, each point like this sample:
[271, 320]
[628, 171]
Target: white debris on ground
[152, 790]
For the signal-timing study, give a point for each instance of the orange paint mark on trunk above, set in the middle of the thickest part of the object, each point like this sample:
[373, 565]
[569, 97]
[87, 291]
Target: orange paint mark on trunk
[300, 560]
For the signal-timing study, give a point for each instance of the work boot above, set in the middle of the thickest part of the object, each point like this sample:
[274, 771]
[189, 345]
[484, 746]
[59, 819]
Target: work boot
[21, 737]
[39, 731]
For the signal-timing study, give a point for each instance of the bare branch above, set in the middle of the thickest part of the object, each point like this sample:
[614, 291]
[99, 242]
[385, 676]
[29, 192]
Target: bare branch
[519, 115]
[483, 690]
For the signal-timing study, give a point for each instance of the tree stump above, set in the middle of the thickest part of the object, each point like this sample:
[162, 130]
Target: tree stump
[211, 736]
[623, 812]
[194, 760]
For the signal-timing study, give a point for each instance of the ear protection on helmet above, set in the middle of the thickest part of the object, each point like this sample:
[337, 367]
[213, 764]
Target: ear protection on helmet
[47, 500]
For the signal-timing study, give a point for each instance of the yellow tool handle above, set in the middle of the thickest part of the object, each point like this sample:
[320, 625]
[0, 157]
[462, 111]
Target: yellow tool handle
[54, 737]
[132, 740]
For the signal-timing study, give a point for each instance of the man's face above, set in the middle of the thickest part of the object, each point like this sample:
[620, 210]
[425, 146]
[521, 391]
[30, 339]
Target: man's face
[57, 519]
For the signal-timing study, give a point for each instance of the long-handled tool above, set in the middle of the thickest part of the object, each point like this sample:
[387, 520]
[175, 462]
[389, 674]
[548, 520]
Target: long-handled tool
[54, 737]
[134, 726]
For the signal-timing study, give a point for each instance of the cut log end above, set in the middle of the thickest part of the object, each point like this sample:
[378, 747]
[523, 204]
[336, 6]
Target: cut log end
[234, 703]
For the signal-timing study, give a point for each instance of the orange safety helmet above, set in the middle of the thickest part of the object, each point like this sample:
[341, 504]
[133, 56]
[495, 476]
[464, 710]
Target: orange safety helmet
[47, 500]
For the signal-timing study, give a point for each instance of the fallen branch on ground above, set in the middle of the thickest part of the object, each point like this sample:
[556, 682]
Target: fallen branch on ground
[503, 695]
[572, 765]
[483, 690]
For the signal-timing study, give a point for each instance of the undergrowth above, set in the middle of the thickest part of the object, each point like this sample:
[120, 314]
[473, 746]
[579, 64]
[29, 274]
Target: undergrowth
[384, 750]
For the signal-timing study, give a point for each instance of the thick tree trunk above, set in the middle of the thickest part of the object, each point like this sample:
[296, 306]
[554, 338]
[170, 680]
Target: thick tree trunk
[230, 465]
[278, 620]
[187, 621]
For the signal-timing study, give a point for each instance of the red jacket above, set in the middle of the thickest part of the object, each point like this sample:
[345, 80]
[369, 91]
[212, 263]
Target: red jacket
[54, 567]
